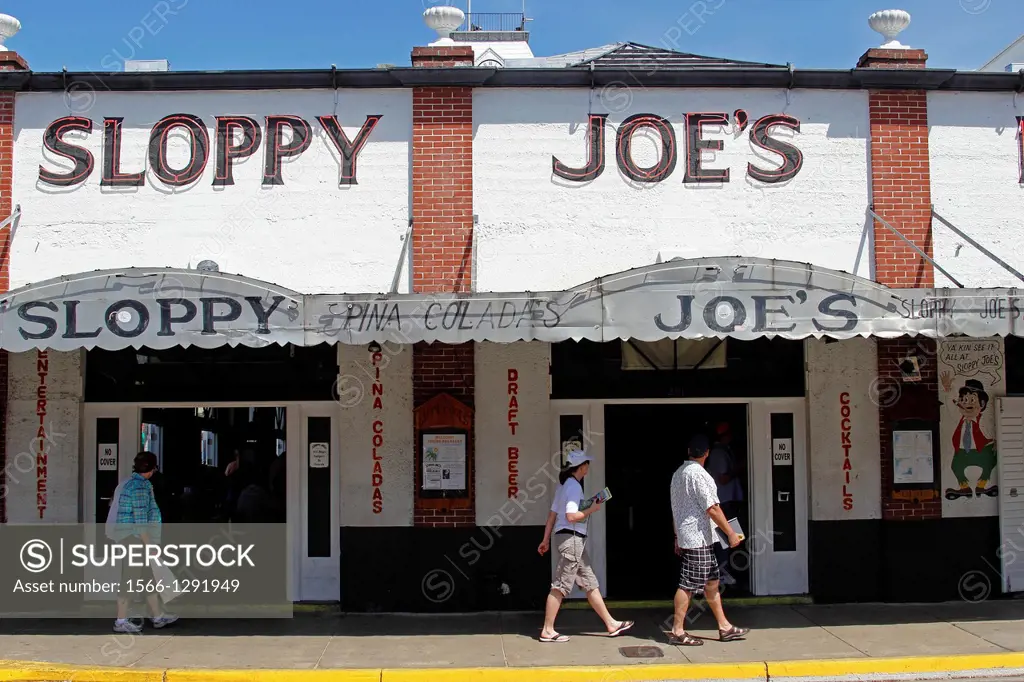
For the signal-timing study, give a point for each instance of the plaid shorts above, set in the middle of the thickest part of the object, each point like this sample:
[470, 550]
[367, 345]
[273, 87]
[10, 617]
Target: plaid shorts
[699, 567]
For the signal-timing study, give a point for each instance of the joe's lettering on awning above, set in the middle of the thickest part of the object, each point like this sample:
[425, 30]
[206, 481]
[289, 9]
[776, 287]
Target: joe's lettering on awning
[770, 313]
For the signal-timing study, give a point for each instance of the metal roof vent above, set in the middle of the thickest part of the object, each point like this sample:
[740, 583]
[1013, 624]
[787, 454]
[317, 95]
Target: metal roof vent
[208, 266]
[147, 65]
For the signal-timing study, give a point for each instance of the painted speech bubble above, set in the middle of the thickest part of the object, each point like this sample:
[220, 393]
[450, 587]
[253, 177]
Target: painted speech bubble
[972, 358]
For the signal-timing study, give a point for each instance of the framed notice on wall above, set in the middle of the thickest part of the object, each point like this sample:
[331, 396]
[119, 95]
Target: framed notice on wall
[443, 457]
[913, 460]
[915, 464]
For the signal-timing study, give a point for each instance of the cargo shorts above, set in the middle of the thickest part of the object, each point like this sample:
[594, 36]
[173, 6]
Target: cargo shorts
[573, 567]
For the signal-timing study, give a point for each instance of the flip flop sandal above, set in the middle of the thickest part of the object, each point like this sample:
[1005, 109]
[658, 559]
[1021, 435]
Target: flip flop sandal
[685, 640]
[626, 624]
[732, 633]
[556, 638]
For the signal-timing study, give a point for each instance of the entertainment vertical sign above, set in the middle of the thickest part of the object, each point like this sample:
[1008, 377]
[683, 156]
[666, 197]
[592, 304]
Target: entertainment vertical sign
[43, 369]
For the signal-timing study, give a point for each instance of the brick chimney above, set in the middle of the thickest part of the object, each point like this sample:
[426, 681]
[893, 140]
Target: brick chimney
[442, 239]
[901, 194]
[9, 61]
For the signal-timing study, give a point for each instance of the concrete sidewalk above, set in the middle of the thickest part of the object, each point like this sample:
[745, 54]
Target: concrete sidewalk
[829, 640]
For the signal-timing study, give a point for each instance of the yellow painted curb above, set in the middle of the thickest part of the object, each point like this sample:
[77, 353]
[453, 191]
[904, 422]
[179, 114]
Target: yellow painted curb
[20, 671]
[610, 673]
[909, 665]
[355, 675]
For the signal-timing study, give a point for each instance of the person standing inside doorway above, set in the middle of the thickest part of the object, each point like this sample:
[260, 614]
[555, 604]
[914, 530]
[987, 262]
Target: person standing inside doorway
[135, 519]
[722, 466]
[695, 513]
[570, 530]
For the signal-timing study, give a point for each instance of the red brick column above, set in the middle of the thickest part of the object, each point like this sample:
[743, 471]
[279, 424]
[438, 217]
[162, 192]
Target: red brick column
[442, 243]
[901, 193]
[9, 61]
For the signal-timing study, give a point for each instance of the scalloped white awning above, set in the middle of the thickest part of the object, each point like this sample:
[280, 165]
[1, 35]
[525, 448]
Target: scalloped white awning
[742, 298]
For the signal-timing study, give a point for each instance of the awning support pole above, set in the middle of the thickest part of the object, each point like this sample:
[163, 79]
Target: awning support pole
[13, 221]
[401, 259]
[650, 362]
[13, 216]
[709, 353]
[915, 247]
[978, 246]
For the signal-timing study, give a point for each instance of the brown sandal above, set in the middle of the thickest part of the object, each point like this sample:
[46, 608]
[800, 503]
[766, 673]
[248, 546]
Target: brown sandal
[732, 633]
[685, 640]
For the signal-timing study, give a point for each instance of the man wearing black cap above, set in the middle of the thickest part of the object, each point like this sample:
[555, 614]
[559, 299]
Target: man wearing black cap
[695, 513]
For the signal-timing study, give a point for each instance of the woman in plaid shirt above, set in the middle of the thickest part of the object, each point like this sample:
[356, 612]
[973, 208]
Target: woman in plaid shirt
[138, 520]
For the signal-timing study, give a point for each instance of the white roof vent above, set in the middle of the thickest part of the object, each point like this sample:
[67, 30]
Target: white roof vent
[444, 19]
[8, 27]
[890, 23]
[147, 65]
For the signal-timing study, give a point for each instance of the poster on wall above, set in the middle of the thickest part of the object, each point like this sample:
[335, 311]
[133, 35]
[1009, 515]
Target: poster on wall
[912, 461]
[444, 461]
[971, 376]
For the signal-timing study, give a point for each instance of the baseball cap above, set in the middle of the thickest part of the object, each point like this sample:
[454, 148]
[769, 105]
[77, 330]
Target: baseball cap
[698, 445]
[578, 457]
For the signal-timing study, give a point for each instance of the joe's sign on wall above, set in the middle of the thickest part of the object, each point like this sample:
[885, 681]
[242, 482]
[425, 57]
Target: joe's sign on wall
[687, 151]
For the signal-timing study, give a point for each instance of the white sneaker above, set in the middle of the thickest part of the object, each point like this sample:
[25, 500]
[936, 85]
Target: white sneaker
[164, 620]
[126, 626]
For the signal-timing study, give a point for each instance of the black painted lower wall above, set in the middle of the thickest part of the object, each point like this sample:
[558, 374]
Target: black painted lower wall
[421, 570]
[443, 569]
[904, 561]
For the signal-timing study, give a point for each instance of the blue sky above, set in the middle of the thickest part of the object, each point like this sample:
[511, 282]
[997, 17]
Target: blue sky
[260, 34]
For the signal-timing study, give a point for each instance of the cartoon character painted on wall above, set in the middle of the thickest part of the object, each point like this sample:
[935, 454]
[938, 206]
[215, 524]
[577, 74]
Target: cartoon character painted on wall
[971, 447]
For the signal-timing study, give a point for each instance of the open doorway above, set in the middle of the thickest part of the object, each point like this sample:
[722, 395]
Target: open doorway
[218, 463]
[644, 445]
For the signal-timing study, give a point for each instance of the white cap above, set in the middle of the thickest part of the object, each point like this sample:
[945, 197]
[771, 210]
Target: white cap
[578, 457]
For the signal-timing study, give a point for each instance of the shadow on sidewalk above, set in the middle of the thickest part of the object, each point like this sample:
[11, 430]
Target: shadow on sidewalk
[650, 623]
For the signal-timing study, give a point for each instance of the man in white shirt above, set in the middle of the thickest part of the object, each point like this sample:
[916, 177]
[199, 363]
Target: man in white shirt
[695, 513]
[721, 465]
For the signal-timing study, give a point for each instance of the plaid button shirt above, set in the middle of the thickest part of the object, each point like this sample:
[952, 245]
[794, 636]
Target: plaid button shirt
[137, 512]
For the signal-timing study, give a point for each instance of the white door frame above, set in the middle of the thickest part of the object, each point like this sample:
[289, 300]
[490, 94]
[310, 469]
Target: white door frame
[777, 573]
[320, 576]
[759, 483]
[127, 415]
[130, 416]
